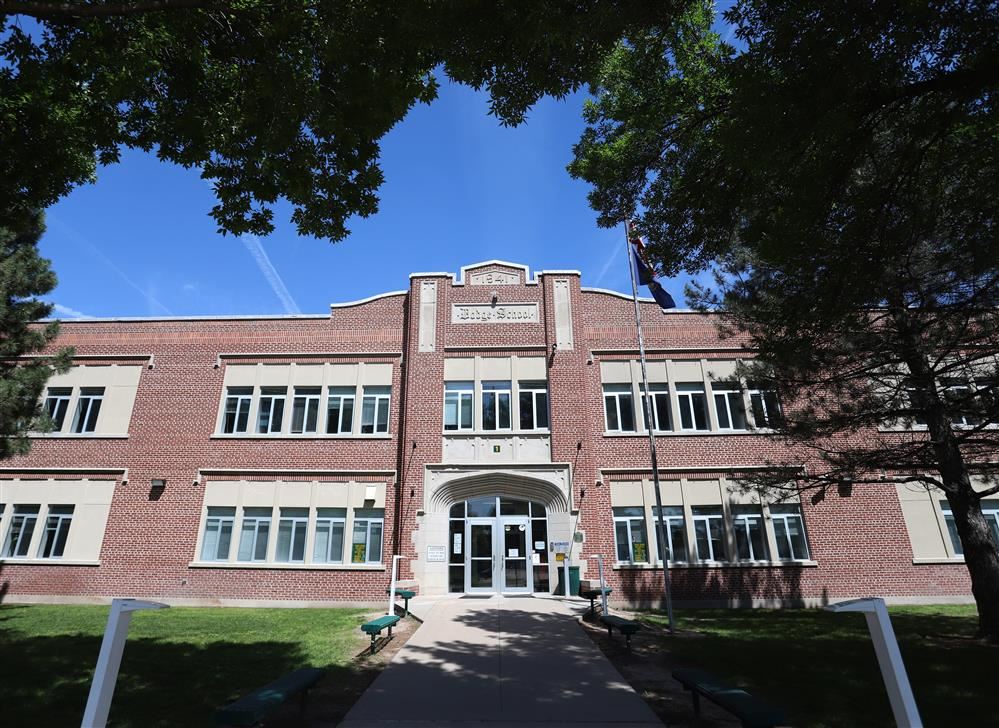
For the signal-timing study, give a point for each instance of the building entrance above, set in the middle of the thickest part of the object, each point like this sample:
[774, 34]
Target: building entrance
[498, 545]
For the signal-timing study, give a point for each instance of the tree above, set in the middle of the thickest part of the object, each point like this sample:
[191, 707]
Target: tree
[269, 98]
[838, 170]
[24, 275]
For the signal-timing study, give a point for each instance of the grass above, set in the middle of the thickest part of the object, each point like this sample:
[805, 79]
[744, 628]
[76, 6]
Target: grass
[179, 664]
[822, 668]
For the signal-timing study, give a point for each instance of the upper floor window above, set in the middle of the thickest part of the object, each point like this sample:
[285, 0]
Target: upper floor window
[693, 406]
[619, 409]
[496, 405]
[676, 536]
[729, 408]
[57, 523]
[375, 410]
[789, 531]
[340, 411]
[629, 534]
[766, 407]
[20, 531]
[305, 410]
[56, 405]
[88, 407]
[659, 405]
[458, 405]
[709, 530]
[270, 414]
[533, 405]
[747, 521]
[237, 409]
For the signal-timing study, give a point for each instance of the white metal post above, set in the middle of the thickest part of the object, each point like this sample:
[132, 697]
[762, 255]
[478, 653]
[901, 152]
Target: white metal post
[109, 660]
[568, 551]
[903, 702]
[395, 564]
[603, 591]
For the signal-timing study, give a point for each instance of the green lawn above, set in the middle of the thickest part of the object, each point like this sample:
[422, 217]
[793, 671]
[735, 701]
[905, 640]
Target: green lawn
[179, 664]
[821, 666]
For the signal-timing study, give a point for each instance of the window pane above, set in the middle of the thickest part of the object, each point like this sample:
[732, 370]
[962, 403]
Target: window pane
[368, 415]
[503, 416]
[359, 542]
[451, 411]
[383, 414]
[541, 410]
[721, 406]
[621, 537]
[700, 403]
[375, 542]
[627, 412]
[488, 410]
[526, 410]
[610, 411]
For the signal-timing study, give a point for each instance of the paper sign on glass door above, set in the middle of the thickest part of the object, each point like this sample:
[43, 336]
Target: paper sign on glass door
[513, 553]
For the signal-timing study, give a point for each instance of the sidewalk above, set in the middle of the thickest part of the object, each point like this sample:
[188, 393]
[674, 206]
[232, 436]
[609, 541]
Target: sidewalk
[516, 661]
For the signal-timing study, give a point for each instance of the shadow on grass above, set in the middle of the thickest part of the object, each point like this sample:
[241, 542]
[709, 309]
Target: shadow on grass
[160, 683]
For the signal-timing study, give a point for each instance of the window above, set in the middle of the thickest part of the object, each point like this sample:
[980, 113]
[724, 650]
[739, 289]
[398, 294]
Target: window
[237, 409]
[375, 410]
[729, 406]
[22, 528]
[750, 542]
[330, 523]
[660, 407]
[533, 406]
[789, 531]
[218, 534]
[305, 410]
[619, 408]
[56, 532]
[366, 545]
[458, 405]
[990, 510]
[253, 534]
[693, 406]
[340, 411]
[271, 411]
[709, 531]
[291, 535]
[629, 533]
[496, 405]
[676, 535]
[959, 396]
[766, 408]
[56, 404]
[88, 407]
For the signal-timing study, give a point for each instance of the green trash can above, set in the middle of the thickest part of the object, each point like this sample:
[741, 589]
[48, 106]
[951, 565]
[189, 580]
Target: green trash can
[573, 581]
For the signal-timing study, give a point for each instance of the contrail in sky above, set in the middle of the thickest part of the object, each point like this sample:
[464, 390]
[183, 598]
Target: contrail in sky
[252, 243]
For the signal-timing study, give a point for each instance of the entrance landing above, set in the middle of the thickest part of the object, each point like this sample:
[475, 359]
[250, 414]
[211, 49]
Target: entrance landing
[501, 661]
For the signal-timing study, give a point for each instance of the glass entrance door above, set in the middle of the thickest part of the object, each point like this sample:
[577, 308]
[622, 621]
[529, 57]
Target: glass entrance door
[515, 573]
[480, 576]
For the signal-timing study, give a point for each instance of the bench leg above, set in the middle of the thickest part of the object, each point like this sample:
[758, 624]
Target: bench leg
[627, 640]
[407, 609]
[390, 632]
[610, 632]
[373, 637]
[697, 703]
[593, 605]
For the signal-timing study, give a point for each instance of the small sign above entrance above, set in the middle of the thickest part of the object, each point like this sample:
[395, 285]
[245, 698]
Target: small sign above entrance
[436, 553]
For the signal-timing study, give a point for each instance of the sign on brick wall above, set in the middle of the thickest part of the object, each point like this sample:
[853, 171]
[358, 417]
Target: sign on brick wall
[494, 314]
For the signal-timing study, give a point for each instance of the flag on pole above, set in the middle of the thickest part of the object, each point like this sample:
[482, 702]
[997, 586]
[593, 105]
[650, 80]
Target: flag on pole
[646, 274]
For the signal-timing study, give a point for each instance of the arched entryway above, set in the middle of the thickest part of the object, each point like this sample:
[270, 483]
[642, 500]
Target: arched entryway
[498, 544]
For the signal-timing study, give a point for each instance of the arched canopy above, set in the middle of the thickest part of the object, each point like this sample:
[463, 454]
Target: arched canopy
[505, 485]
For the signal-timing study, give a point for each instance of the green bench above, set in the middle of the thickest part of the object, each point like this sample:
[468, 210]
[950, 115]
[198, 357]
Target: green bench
[375, 627]
[627, 627]
[753, 712]
[593, 595]
[252, 708]
[404, 594]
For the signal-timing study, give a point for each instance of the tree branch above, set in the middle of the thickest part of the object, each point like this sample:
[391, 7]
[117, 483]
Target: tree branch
[67, 11]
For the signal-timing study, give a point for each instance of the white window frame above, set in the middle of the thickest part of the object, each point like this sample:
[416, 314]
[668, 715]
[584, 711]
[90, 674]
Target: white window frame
[707, 519]
[658, 391]
[88, 410]
[990, 509]
[325, 520]
[742, 523]
[768, 416]
[729, 402]
[685, 394]
[631, 523]
[537, 394]
[257, 521]
[369, 522]
[341, 395]
[270, 396]
[54, 523]
[788, 541]
[242, 397]
[613, 396]
[670, 520]
[22, 512]
[217, 522]
[458, 395]
[297, 524]
[380, 399]
[54, 397]
[308, 398]
[497, 391]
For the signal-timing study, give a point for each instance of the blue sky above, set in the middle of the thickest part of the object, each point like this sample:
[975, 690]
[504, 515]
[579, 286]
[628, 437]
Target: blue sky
[459, 189]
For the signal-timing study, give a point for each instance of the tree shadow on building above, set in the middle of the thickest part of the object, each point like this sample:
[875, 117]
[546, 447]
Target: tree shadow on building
[716, 587]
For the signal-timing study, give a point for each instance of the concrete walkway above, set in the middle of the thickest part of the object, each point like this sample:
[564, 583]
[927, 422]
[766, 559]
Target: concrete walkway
[500, 661]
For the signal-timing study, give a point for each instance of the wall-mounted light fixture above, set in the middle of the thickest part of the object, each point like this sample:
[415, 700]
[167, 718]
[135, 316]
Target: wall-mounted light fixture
[156, 488]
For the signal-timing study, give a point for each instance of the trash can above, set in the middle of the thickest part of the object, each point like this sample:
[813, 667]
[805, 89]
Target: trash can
[573, 581]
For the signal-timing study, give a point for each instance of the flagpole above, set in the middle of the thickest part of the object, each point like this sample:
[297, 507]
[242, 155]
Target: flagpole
[647, 406]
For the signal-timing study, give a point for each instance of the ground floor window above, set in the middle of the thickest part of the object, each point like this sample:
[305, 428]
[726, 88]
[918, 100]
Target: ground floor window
[216, 543]
[629, 534]
[989, 510]
[366, 546]
[676, 533]
[20, 531]
[709, 533]
[789, 531]
[750, 541]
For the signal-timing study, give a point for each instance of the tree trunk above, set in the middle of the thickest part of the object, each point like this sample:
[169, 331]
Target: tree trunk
[980, 556]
